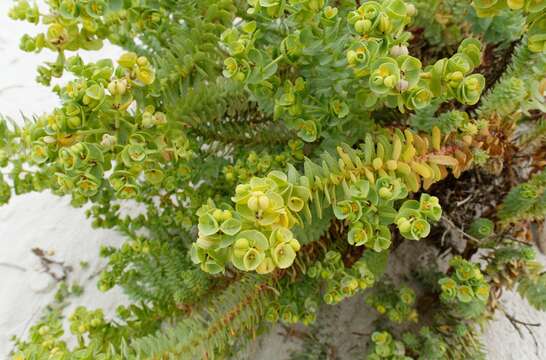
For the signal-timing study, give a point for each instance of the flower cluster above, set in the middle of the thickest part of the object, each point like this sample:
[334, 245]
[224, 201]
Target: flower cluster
[371, 60]
[256, 235]
[89, 327]
[369, 211]
[362, 186]
[292, 312]
[83, 321]
[259, 164]
[466, 285]
[413, 216]
[95, 131]
[79, 142]
[385, 347]
[396, 304]
[129, 250]
[434, 342]
[385, 18]
[47, 336]
[341, 282]
[74, 25]
[399, 80]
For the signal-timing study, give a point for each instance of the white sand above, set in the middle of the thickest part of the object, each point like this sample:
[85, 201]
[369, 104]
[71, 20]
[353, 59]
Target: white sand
[48, 222]
[40, 219]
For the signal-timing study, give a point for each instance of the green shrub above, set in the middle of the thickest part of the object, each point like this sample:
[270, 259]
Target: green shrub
[280, 150]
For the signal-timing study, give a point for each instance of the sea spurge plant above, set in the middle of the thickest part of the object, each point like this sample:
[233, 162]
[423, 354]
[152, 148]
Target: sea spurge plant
[276, 152]
[328, 280]
[258, 232]
[466, 288]
[385, 347]
[490, 8]
[413, 216]
[525, 200]
[260, 164]
[362, 187]
[535, 20]
[373, 58]
[341, 282]
[481, 228]
[78, 144]
[397, 304]
[291, 309]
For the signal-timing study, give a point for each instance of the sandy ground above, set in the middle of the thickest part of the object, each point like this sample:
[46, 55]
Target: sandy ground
[40, 220]
[48, 222]
[347, 326]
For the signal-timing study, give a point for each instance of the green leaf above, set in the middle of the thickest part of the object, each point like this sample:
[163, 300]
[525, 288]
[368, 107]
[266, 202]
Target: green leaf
[231, 226]
[208, 225]
[252, 259]
[307, 130]
[376, 262]
[465, 294]
[256, 239]
[534, 291]
[284, 255]
[481, 228]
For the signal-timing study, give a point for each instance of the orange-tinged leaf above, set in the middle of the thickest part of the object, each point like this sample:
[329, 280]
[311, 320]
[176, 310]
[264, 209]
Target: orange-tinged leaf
[396, 147]
[443, 160]
[420, 144]
[412, 181]
[409, 136]
[369, 175]
[436, 138]
[408, 153]
[403, 168]
[422, 169]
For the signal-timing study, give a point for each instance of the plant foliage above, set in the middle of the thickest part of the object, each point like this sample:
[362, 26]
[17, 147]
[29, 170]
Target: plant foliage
[277, 151]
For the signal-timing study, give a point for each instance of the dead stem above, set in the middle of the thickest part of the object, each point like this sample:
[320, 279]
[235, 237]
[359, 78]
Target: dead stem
[517, 323]
[449, 224]
[13, 266]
